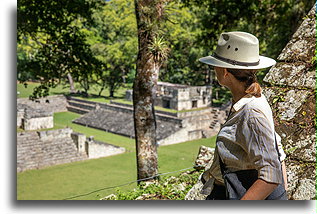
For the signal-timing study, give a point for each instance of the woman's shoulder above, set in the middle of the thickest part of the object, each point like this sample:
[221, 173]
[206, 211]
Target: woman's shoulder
[258, 107]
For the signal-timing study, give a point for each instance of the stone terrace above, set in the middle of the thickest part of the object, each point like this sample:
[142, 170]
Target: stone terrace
[36, 150]
[171, 127]
[122, 123]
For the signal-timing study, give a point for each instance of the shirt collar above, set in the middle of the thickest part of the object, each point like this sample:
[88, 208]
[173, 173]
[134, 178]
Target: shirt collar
[243, 101]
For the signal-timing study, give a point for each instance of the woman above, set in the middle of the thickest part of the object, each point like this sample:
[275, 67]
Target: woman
[247, 140]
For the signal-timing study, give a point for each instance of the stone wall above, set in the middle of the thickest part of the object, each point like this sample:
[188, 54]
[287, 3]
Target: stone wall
[98, 149]
[20, 116]
[38, 123]
[291, 92]
[38, 114]
[176, 137]
[36, 150]
[55, 103]
[34, 119]
[40, 149]
[179, 97]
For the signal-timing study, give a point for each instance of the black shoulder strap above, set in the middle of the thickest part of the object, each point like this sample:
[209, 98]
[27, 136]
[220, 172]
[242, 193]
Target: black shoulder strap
[276, 147]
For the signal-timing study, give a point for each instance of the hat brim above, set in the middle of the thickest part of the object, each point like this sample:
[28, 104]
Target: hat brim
[264, 62]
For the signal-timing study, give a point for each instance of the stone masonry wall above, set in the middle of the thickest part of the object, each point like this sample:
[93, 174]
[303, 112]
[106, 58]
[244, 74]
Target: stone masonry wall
[36, 150]
[292, 95]
[98, 149]
[33, 119]
[39, 149]
[38, 114]
[38, 123]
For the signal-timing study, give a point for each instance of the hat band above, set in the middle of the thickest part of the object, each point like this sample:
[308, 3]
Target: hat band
[234, 62]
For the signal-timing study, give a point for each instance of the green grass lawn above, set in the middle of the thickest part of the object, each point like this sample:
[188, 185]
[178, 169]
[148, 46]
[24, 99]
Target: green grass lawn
[63, 181]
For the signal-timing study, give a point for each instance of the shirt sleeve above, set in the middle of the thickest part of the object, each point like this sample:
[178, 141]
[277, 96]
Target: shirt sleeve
[261, 148]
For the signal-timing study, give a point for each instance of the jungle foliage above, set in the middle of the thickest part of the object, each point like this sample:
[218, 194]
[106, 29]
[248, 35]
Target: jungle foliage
[95, 41]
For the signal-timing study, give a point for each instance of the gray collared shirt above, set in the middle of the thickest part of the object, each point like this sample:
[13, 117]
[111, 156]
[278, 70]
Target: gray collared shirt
[247, 141]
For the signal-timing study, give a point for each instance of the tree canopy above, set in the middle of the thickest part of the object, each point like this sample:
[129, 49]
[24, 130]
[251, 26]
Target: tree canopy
[51, 42]
[95, 41]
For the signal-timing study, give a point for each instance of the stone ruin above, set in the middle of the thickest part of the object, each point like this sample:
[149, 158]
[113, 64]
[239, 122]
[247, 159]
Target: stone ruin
[171, 127]
[33, 119]
[291, 92]
[180, 97]
[36, 150]
[40, 149]
[38, 114]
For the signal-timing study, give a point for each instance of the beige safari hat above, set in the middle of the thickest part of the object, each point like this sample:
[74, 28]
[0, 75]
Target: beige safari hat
[238, 50]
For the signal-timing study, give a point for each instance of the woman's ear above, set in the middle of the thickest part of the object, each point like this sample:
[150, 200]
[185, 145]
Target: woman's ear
[225, 72]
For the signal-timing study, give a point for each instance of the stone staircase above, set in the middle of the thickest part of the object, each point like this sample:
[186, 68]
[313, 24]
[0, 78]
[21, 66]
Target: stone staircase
[84, 106]
[215, 119]
[79, 106]
[36, 150]
[117, 118]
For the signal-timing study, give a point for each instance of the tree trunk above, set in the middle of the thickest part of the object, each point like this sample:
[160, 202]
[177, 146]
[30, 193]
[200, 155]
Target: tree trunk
[111, 92]
[144, 92]
[101, 90]
[71, 83]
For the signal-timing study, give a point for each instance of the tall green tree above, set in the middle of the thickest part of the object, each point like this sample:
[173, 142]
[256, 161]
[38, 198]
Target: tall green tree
[59, 47]
[114, 43]
[182, 30]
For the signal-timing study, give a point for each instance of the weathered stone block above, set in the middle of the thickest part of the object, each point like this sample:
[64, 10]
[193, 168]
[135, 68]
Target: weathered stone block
[292, 101]
[292, 74]
[298, 50]
[303, 148]
[99, 149]
[302, 45]
[306, 190]
[307, 28]
[38, 123]
[79, 140]
[205, 155]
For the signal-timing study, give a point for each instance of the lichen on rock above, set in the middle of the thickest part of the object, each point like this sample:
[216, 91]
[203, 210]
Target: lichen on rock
[291, 92]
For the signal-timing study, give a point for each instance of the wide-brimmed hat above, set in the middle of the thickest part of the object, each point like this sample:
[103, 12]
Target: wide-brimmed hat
[238, 50]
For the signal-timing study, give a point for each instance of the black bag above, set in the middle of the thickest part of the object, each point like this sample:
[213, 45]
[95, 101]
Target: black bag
[237, 183]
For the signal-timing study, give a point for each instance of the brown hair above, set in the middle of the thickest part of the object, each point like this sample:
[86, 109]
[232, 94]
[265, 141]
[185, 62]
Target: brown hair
[249, 78]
